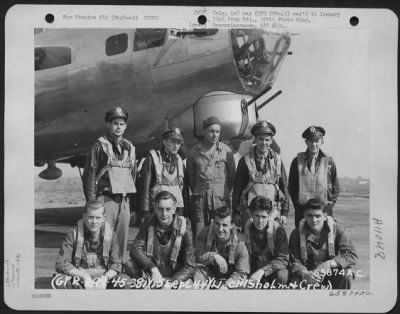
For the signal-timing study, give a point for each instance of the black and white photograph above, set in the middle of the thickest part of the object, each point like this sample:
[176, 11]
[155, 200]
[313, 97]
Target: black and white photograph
[234, 150]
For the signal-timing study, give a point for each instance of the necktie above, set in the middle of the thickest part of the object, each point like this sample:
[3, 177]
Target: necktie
[312, 166]
[262, 162]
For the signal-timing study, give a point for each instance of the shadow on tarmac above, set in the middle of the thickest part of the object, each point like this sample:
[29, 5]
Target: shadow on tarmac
[58, 216]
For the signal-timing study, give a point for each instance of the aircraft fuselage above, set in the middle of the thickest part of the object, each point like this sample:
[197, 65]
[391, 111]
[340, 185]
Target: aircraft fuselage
[154, 78]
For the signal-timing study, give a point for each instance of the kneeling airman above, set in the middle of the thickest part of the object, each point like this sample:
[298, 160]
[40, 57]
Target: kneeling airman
[221, 257]
[90, 255]
[267, 244]
[321, 251]
[163, 249]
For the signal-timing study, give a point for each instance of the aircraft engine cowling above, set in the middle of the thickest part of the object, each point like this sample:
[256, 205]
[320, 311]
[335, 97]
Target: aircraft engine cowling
[236, 117]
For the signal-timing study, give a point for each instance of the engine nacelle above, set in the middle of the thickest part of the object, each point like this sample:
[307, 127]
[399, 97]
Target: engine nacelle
[236, 117]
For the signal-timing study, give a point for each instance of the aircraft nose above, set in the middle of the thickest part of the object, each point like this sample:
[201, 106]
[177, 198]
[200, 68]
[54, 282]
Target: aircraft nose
[258, 55]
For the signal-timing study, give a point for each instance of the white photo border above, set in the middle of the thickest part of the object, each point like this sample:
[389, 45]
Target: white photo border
[19, 292]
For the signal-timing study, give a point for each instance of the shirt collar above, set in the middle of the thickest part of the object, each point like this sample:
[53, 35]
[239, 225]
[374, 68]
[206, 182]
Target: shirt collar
[324, 232]
[173, 225]
[319, 156]
[168, 157]
[231, 241]
[115, 142]
[87, 233]
[255, 231]
[218, 146]
[267, 154]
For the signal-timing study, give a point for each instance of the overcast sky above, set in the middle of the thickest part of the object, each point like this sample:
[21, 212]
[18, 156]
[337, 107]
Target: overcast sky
[325, 82]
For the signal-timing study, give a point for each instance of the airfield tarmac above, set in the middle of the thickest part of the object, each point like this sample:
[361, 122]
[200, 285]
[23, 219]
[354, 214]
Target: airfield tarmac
[58, 205]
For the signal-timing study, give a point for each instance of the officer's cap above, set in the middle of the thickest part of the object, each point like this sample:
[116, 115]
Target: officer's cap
[260, 203]
[117, 112]
[314, 203]
[174, 133]
[313, 132]
[93, 205]
[210, 121]
[263, 127]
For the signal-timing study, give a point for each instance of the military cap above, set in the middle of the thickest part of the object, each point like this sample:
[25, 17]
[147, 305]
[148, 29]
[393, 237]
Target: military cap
[313, 132]
[314, 203]
[263, 127]
[93, 205]
[210, 121]
[117, 112]
[260, 203]
[174, 133]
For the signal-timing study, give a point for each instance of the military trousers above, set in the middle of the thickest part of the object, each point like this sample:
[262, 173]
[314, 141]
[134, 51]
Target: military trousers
[203, 206]
[118, 216]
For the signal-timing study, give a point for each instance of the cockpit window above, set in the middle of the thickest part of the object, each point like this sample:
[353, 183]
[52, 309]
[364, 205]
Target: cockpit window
[51, 57]
[116, 44]
[146, 38]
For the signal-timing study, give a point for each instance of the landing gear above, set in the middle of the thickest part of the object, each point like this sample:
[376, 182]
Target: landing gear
[52, 172]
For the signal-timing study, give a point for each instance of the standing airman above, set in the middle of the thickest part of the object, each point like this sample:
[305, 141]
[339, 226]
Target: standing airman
[313, 175]
[210, 174]
[163, 170]
[110, 174]
[261, 172]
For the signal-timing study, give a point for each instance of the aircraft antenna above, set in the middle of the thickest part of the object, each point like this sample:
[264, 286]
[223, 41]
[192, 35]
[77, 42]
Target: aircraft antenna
[166, 123]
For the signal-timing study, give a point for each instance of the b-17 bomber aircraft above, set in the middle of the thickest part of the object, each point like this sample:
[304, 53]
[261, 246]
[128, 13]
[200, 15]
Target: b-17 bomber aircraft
[163, 77]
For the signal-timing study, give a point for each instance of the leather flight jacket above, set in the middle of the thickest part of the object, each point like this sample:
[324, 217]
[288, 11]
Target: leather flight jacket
[148, 179]
[95, 184]
[185, 266]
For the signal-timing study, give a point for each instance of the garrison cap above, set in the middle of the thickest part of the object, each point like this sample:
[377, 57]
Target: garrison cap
[314, 203]
[174, 133]
[260, 203]
[210, 121]
[263, 127]
[313, 132]
[93, 205]
[116, 112]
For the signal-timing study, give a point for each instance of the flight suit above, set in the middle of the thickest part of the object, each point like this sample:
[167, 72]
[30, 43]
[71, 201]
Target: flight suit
[160, 172]
[95, 257]
[308, 253]
[154, 247]
[252, 179]
[210, 177]
[324, 184]
[106, 155]
[233, 251]
[268, 250]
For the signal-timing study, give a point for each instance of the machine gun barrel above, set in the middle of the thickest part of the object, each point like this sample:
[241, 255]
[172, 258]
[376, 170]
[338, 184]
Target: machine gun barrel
[247, 104]
[269, 100]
